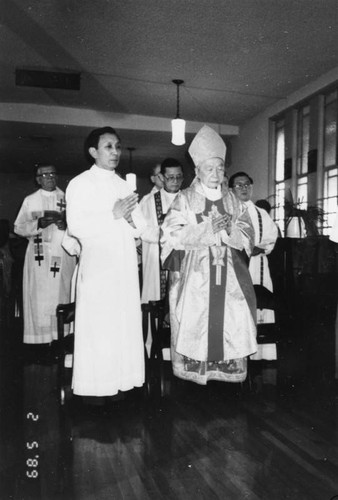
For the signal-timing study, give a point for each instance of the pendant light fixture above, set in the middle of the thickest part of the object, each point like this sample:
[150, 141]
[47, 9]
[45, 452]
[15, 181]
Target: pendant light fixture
[178, 124]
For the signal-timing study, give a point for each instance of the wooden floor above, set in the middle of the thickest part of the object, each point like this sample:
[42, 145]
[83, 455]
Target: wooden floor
[278, 440]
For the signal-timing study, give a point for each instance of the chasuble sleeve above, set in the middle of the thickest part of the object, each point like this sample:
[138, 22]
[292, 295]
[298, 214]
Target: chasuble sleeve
[242, 235]
[26, 223]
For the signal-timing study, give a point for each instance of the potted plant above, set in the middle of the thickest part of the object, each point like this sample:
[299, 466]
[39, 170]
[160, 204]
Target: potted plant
[301, 222]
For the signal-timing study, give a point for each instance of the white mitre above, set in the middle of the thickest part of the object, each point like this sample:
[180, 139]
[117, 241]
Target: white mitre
[206, 144]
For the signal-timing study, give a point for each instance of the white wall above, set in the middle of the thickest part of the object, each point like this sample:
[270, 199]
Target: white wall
[250, 154]
[250, 150]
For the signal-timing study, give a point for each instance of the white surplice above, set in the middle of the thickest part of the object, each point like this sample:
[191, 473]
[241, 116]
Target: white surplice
[48, 268]
[265, 238]
[108, 350]
[259, 265]
[151, 245]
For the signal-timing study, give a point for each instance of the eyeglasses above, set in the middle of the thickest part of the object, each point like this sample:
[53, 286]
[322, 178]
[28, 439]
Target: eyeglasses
[48, 175]
[172, 178]
[242, 186]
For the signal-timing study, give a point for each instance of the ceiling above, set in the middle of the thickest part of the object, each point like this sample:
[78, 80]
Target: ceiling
[236, 58]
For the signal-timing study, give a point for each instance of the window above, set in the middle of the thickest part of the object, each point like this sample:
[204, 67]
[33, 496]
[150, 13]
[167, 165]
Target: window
[280, 151]
[330, 184]
[303, 147]
[330, 197]
[303, 140]
[302, 189]
[330, 130]
[305, 163]
[280, 174]
[279, 206]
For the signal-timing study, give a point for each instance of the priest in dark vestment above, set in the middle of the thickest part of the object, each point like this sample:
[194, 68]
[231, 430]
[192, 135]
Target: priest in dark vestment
[154, 209]
[207, 237]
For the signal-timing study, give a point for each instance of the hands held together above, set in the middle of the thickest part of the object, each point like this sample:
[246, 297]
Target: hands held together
[222, 222]
[53, 217]
[124, 207]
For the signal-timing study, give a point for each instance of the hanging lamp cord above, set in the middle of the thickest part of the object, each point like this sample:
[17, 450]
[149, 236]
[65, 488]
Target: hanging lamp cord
[178, 101]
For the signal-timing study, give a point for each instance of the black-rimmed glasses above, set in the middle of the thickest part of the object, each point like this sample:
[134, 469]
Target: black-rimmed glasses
[242, 186]
[172, 178]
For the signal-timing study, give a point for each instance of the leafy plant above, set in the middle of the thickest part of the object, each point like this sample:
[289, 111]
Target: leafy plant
[312, 215]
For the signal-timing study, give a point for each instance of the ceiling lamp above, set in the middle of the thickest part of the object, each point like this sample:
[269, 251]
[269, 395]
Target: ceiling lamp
[178, 125]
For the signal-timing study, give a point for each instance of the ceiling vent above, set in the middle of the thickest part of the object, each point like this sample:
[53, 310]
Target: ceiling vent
[47, 79]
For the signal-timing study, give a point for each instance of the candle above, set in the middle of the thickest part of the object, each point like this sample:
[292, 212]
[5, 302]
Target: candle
[131, 179]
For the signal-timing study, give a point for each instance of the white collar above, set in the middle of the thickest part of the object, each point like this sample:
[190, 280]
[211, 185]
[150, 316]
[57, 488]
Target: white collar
[169, 196]
[249, 203]
[212, 194]
[102, 171]
[48, 194]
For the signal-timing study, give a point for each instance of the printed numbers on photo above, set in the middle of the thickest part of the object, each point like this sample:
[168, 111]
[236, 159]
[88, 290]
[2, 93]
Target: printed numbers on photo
[32, 445]
[32, 462]
[32, 474]
[32, 416]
